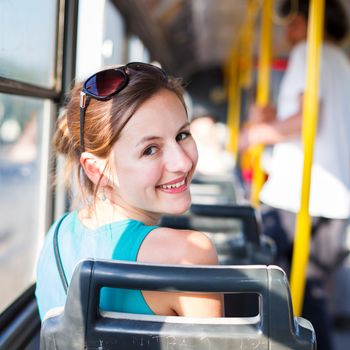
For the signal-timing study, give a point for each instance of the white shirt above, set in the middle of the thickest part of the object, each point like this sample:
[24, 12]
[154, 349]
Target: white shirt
[330, 180]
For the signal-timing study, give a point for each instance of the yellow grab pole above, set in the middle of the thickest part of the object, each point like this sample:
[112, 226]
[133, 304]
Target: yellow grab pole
[246, 45]
[263, 92]
[239, 76]
[227, 68]
[310, 113]
[234, 105]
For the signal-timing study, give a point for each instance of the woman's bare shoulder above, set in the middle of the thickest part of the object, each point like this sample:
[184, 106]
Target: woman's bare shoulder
[171, 246]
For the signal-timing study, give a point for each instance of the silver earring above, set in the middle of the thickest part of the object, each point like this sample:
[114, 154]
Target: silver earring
[103, 196]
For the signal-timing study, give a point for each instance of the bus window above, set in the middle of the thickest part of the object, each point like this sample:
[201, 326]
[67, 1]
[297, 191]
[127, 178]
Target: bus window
[21, 142]
[114, 33]
[22, 58]
[136, 50]
[100, 44]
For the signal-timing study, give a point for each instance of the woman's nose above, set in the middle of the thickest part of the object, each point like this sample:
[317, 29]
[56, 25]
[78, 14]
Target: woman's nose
[177, 160]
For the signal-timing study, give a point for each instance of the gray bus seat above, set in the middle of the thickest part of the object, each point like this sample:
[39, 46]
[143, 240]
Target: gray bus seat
[215, 189]
[234, 229]
[83, 326]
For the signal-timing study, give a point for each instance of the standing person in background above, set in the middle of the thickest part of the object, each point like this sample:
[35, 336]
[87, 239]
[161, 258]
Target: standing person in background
[330, 182]
[126, 136]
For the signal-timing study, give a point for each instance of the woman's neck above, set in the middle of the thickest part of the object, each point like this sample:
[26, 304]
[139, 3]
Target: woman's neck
[102, 212]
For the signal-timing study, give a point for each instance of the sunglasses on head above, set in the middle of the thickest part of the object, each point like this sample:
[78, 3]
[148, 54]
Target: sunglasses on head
[105, 84]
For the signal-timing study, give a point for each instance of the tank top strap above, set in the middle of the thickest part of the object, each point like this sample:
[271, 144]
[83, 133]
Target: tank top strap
[131, 240]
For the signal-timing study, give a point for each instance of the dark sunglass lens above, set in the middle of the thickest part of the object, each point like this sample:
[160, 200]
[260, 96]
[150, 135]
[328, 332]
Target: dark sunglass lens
[105, 83]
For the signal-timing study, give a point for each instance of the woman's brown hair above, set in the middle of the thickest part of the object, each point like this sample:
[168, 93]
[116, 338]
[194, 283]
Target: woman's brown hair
[104, 120]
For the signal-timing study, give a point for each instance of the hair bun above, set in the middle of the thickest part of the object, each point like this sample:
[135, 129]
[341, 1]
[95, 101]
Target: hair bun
[62, 138]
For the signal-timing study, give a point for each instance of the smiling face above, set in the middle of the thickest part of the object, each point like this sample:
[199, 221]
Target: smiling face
[154, 158]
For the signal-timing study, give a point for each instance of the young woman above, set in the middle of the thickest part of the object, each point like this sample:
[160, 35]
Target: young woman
[125, 135]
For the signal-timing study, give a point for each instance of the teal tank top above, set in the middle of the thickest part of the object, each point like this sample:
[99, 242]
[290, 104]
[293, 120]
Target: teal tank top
[118, 241]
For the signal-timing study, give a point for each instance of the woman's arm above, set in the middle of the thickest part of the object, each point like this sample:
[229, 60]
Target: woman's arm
[273, 131]
[169, 246]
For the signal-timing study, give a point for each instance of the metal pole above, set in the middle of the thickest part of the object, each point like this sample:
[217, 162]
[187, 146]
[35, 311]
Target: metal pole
[310, 116]
[234, 105]
[263, 93]
[239, 73]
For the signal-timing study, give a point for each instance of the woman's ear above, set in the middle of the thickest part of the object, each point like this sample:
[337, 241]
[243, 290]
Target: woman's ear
[94, 168]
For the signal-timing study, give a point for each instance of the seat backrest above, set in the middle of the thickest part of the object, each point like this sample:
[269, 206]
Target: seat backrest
[83, 326]
[249, 247]
[251, 227]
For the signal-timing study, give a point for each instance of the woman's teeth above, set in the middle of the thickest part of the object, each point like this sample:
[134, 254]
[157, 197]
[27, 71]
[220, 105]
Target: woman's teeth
[177, 185]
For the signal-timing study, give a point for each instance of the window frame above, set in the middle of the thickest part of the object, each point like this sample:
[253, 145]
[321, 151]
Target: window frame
[20, 322]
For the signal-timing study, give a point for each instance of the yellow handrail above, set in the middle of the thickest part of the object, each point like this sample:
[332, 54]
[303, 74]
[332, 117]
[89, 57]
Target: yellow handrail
[310, 116]
[246, 44]
[263, 92]
[234, 103]
[239, 75]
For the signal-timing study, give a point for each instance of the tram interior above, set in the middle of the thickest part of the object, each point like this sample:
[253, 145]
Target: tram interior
[192, 39]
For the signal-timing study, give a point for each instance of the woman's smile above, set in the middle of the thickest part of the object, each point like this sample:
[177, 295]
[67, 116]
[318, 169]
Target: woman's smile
[175, 186]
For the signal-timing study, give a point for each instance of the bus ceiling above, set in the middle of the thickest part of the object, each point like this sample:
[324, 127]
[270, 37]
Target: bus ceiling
[186, 36]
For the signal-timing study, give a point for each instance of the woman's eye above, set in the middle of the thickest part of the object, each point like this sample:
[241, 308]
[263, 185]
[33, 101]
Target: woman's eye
[149, 151]
[183, 135]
